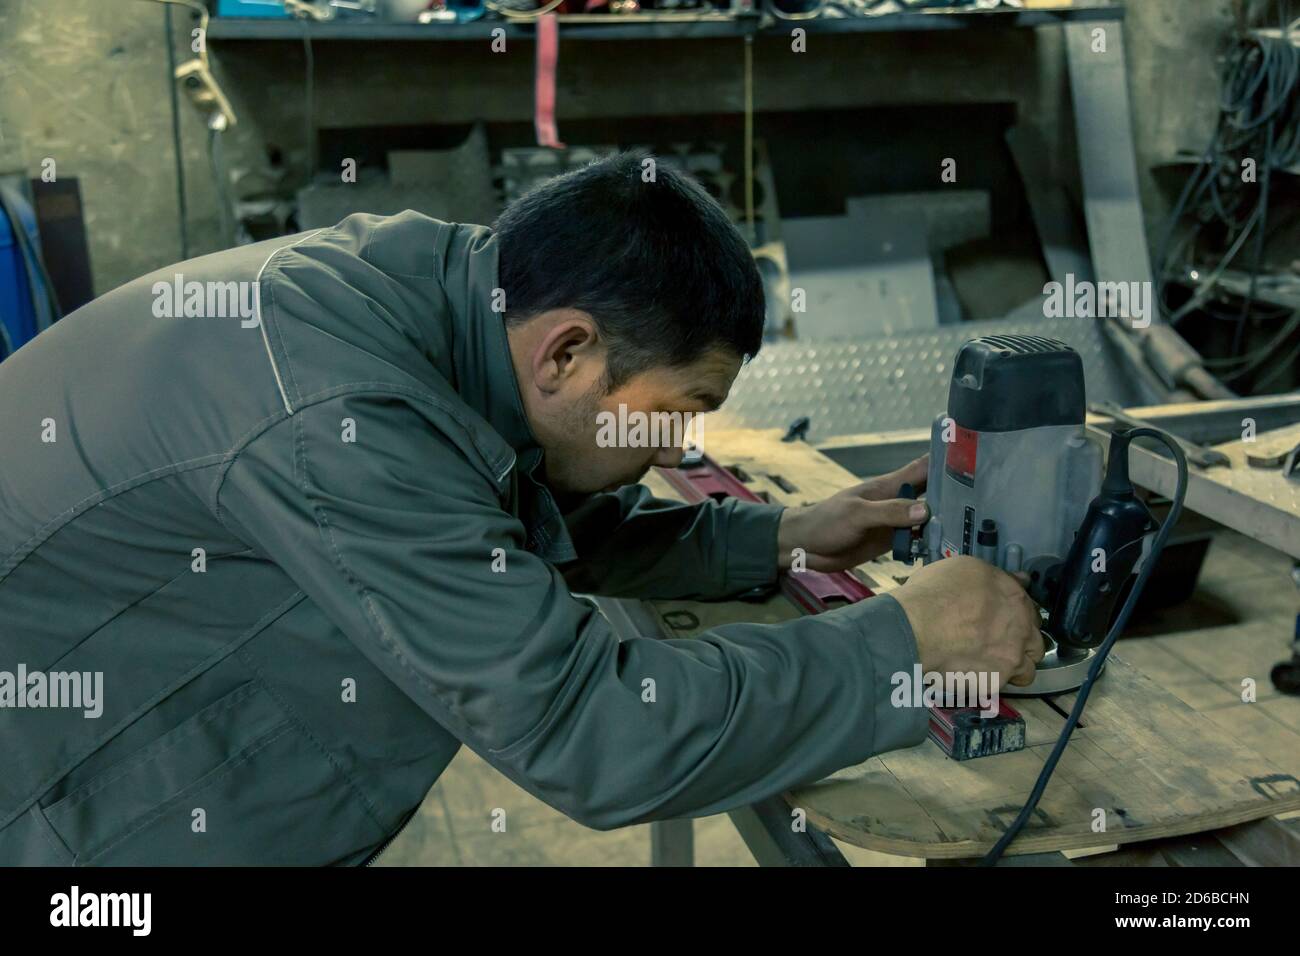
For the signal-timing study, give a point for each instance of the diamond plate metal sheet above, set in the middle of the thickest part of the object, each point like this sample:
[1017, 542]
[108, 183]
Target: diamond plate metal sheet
[848, 387]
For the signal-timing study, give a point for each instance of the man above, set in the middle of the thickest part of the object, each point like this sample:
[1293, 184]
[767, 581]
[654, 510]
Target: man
[312, 547]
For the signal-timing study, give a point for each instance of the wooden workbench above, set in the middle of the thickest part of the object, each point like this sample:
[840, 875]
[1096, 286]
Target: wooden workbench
[1166, 745]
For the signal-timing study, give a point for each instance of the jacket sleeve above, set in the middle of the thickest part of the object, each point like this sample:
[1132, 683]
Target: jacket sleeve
[401, 539]
[632, 544]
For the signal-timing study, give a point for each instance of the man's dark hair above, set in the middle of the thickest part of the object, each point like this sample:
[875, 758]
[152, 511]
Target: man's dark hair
[658, 265]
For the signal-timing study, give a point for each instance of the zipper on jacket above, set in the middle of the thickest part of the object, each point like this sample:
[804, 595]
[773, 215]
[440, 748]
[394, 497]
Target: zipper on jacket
[396, 833]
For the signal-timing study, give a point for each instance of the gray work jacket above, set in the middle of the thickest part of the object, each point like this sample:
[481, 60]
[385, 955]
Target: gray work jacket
[307, 550]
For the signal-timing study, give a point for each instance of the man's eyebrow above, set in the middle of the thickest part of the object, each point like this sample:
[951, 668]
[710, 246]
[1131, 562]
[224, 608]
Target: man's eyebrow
[711, 400]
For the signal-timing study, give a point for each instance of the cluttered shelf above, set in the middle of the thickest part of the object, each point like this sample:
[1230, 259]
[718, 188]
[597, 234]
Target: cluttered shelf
[632, 26]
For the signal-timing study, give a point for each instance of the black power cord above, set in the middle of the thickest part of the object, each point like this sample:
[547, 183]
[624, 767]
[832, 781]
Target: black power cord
[1103, 650]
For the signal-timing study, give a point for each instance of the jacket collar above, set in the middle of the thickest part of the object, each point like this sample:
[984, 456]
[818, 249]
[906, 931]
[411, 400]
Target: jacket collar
[486, 380]
[485, 374]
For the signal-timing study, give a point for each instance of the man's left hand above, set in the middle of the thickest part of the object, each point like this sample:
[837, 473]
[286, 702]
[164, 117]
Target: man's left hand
[855, 525]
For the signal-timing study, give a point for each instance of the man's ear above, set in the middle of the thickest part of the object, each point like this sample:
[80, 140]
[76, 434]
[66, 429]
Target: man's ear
[568, 341]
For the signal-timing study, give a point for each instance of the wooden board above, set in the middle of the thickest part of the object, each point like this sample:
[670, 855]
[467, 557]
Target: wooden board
[1178, 754]
[1256, 501]
[1145, 764]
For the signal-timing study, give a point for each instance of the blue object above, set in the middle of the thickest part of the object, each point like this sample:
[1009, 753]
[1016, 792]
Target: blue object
[467, 10]
[251, 8]
[18, 321]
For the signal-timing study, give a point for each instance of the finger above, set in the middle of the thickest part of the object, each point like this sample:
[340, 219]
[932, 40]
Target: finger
[896, 513]
[886, 486]
[1036, 647]
[1024, 673]
[1033, 621]
[913, 473]
[1011, 586]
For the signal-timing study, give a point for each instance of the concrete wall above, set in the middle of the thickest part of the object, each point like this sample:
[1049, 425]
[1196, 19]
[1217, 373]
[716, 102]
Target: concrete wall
[86, 84]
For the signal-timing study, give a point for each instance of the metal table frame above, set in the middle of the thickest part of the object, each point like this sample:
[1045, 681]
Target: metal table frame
[764, 826]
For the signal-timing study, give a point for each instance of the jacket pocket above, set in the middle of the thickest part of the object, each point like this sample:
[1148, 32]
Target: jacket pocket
[130, 791]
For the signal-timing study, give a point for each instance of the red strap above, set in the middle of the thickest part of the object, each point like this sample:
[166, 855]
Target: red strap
[548, 54]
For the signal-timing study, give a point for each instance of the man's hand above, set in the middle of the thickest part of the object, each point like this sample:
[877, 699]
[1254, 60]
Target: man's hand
[856, 524]
[969, 616]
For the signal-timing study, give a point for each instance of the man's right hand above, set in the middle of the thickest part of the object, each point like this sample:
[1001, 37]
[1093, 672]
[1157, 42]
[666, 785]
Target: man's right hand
[970, 616]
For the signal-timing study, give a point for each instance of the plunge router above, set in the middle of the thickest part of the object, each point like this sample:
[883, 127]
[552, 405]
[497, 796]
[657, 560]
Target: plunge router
[1016, 480]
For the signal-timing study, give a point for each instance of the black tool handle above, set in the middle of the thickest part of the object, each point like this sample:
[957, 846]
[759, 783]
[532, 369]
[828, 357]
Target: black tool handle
[1103, 555]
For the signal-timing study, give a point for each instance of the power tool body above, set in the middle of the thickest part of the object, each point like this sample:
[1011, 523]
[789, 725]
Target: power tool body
[1016, 480]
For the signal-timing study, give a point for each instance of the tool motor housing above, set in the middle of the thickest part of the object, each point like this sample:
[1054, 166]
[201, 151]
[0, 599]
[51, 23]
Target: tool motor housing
[1012, 468]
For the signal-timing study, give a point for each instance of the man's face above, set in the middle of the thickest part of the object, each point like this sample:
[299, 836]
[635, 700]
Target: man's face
[591, 444]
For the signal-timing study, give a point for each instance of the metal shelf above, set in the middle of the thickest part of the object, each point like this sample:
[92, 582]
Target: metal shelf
[643, 27]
